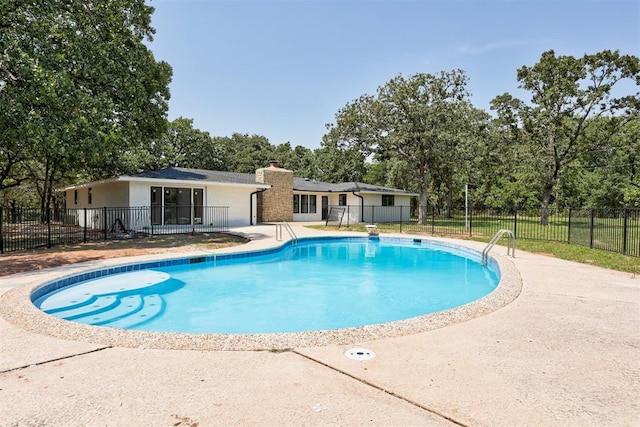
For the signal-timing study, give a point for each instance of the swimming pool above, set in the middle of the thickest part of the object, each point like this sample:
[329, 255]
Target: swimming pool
[318, 284]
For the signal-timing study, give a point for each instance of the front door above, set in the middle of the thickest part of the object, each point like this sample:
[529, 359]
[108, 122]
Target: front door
[325, 207]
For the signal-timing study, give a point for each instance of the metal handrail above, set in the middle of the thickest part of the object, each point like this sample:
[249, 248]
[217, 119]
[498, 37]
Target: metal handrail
[511, 244]
[286, 226]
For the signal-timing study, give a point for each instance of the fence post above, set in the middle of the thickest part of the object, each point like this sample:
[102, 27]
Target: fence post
[569, 227]
[470, 219]
[348, 214]
[84, 229]
[1, 236]
[400, 219]
[104, 222]
[624, 231]
[433, 219]
[591, 229]
[48, 227]
[515, 223]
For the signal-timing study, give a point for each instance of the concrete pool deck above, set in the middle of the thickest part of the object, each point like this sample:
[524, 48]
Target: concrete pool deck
[566, 351]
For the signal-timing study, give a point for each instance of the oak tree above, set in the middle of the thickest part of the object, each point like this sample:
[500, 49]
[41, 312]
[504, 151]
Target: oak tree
[78, 86]
[568, 96]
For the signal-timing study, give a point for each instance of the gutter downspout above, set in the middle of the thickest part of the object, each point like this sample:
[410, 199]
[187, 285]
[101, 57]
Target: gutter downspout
[361, 205]
[262, 190]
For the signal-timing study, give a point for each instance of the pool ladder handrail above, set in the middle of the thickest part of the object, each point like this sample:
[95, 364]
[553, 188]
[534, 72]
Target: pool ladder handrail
[511, 244]
[286, 226]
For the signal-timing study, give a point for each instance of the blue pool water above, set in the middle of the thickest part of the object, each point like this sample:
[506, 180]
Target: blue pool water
[315, 285]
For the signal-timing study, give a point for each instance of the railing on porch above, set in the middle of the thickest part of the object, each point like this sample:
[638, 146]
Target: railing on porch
[27, 228]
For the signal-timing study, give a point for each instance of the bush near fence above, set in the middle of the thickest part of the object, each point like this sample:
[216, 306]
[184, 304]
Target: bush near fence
[28, 228]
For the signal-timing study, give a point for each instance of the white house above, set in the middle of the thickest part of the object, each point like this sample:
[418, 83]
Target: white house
[180, 196]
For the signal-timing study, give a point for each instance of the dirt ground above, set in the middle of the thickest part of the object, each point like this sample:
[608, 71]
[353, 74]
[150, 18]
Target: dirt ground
[17, 262]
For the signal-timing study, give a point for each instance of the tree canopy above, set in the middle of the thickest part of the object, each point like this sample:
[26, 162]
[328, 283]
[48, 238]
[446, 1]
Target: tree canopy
[82, 97]
[573, 111]
[78, 87]
[424, 120]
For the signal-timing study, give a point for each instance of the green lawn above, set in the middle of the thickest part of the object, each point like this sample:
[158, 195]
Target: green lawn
[581, 254]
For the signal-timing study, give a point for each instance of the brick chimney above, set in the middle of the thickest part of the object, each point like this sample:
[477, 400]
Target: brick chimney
[277, 201]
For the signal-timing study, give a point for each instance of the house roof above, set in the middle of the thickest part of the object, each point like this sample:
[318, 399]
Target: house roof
[299, 184]
[305, 184]
[205, 176]
[185, 174]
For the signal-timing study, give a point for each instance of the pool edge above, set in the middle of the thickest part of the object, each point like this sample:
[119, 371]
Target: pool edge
[17, 309]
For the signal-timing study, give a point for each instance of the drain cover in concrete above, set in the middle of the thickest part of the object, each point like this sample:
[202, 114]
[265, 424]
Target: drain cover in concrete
[359, 354]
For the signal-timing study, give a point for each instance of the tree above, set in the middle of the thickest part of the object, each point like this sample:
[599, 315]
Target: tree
[300, 159]
[180, 146]
[345, 147]
[245, 153]
[610, 176]
[567, 96]
[416, 119]
[78, 86]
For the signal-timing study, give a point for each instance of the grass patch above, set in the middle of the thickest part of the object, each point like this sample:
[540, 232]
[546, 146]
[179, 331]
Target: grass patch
[581, 254]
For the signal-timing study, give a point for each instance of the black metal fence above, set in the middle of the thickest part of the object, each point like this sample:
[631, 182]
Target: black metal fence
[28, 228]
[615, 230]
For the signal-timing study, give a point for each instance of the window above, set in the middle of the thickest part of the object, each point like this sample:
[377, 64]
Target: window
[177, 205]
[156, 205]
[296, 203]
[304, 203]
[342, 200]
[198, 203]
[90, 196]
[75, 197]
[312, 204]
[388, 199]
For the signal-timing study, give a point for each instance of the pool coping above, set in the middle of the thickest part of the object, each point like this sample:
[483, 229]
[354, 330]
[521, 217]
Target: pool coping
[17, 309]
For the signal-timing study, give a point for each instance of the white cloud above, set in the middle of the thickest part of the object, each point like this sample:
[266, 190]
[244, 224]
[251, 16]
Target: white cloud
[487, 47]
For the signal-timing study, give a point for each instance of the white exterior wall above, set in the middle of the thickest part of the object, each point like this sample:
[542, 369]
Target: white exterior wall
[375, 212]
[352, 210]
[140, 193]
[373, 209]
[110, 194]
[237, 199]
[113, 194]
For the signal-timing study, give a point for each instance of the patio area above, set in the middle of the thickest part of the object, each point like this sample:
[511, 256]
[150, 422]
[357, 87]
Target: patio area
[564, 352]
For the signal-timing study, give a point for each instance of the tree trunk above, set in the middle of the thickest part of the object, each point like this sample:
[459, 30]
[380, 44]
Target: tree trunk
[449, 200]
[423, 205]
[423, 202]
[546, 200]
[551, 182]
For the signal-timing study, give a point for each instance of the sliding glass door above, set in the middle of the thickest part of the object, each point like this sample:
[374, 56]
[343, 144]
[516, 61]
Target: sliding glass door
[173, 205]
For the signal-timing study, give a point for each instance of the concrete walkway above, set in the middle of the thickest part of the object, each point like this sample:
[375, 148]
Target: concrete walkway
[566, 352]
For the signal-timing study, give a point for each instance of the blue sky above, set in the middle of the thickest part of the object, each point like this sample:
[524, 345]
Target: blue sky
[284, 68]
